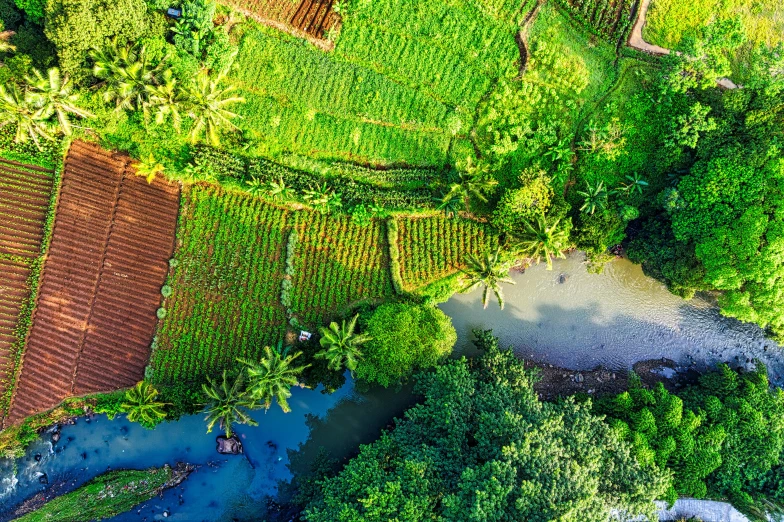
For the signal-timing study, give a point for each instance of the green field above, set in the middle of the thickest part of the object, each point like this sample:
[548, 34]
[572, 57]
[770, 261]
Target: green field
[234, 260]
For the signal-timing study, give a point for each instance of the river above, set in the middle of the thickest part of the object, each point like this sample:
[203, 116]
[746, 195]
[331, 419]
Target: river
[613, 319]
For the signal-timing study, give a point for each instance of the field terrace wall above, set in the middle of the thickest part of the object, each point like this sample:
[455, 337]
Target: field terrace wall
[25, 200]
[96, 312]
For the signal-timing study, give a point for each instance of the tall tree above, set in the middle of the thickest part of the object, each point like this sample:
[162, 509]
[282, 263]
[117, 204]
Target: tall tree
[16, 110]
[341, 345]
[208, 104]
[129, 73]
[487, 271]
[229, 404]
[273, 376]
[594, 197]
[53, 95]
[141, 405]
[542, 240]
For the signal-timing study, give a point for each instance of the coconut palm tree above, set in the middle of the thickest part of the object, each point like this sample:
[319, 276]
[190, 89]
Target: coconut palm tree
[540, 240]
[450, 205]
[595, 197]
[341, 345]
[16, 110]
[141, 406]
[164, 100]
[208, 104]
[487, 271]
[52, 94]
[128, 73]
[470, 185]
[273, 376]
[228, 404]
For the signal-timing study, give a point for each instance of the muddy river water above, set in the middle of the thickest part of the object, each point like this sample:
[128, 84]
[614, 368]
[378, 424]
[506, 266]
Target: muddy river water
[567, 317]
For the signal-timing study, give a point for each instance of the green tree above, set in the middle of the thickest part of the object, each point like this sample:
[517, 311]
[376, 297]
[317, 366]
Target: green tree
[164, 100]
[53, 95]
[542, 240]
[594, 197]
[342, 345]
[141, 405]
[29, 122]
[273, 376]
[76, 26]
[208, 104]
[149, 168]
[480, 446]
[404, 337]
[129, 74]
[489, 272]
[229, 404]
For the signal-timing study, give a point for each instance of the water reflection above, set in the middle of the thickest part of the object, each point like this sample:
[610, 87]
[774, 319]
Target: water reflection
[579, 320]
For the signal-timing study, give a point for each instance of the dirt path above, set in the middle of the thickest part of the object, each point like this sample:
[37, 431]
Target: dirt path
[522, 36]
[635, 39]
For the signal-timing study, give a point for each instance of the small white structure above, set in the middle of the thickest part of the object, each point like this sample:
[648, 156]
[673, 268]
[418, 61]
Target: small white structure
[305, 336]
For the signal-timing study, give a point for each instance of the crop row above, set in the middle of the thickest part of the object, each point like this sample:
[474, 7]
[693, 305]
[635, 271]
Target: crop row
[225, 284]
[279, 126]
[610, 19]
[337, 264]
[434, 247]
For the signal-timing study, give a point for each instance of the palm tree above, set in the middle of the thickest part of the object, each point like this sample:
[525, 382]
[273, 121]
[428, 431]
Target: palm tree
[635, 183]
[164, 100]
[273, 376]
[128, 72]
[470, 185]
[228, 404]
[149, 168]
[53, 96]
[487, 271]
[449, 204]
[541, 240]
[595, 197]
[16, 110]
[141, 406]
[207, 106]
[341, 345]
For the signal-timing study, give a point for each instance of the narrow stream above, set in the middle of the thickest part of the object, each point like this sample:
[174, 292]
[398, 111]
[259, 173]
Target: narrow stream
[566, 317]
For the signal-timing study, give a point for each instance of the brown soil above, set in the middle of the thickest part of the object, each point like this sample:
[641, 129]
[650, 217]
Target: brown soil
[95, 316]
[25, 193]
[309, 19]
[559, 382]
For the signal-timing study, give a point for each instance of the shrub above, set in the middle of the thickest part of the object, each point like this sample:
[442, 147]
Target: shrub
[405, 337]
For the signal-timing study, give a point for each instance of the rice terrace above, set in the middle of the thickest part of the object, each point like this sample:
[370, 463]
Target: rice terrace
[459, 260]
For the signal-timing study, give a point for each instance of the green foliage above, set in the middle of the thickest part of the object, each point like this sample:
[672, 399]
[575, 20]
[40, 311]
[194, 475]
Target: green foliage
[394, 255]
[435, 247]
[404, 338]
[75, 26]
[142, 406]
[228, 403]
[487, 271]
[526, 203]
[106, 496]
[272, 377]
[33, 9]
[482, 447]
[342, 345]
[610, 20]
[544, 239]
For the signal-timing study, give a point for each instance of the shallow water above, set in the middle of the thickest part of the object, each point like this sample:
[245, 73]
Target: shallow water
[223, 487]
[614, 319]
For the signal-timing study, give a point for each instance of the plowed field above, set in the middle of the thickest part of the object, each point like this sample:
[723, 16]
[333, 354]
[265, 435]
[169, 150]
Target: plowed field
[93, 325]
[25, 198]
[311, 17]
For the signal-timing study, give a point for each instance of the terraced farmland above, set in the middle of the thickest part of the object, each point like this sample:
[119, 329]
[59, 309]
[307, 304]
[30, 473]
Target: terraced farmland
[112, 239]
[25, 202]
[311, 17]
[435, 247]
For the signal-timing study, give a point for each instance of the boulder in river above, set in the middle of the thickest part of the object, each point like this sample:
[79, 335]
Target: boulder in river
[43, 478]
[56, 437]
[229, 446]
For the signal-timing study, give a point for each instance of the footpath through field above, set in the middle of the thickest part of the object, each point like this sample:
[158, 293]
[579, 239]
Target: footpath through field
[96, 312]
